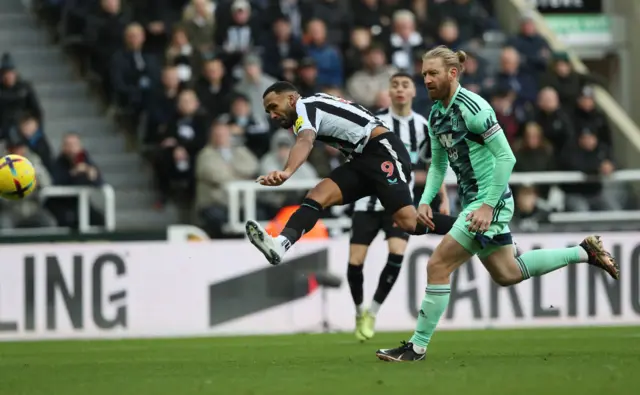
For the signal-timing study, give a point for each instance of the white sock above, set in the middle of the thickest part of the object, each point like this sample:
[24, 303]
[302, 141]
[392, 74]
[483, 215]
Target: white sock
[284, 242]
[375, 307]
[584, 256]
[359, 309]
[419, 350]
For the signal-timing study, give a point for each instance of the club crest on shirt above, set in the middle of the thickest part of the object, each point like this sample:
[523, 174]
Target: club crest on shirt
[454, 123]
[298, 125]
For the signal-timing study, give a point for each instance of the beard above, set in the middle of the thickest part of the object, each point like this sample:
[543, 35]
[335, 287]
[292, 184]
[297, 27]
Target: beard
[288, 121]
[440, 93]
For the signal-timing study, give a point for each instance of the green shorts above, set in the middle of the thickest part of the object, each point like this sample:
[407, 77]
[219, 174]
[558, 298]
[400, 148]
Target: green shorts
[498, 234]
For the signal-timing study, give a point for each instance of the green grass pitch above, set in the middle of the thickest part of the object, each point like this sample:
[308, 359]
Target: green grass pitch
[559, 361]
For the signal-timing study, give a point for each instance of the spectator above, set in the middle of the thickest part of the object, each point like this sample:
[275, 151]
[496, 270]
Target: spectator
[187, 133]
[308, 78]
[134, 74]
[327, 59]
[30, 133]
[74, 167]
[182, 54]
[449, 35]
[218, 163]
[28, 212]
[104, 36]
[534, 153]
[237, 35]
[296, 12]
[163, 107]
[530, 211]
[17, 96]
[503, 103]
[367, 14]
[189, 128]
[336, 15]
[253, 83]
[475, 76]
[214, 87]
[587, 156]
[199, 22]
[382, 100]
[532, 47]
[75, 14]
[472, 19]
[244, 128]
[325, 158]
[555, 122]
[360, 42]
[156, 17]
[512, 75]
[290, 70]
[404, 40]
[276, 159]
[279, 47]
[564, 80]
[365, 84]
[589, 119]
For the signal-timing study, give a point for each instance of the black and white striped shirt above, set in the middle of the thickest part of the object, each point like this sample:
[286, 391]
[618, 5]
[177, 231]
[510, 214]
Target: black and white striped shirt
[339, 123]
[412, 130]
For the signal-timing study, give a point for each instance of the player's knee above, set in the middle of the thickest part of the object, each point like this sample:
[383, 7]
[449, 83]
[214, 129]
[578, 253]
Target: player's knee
[317, 197]
[407, 223]
[326, 193]
[505, 280]
[356, 259]
[509, 276]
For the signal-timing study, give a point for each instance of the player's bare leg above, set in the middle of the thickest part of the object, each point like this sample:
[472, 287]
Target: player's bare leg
[406, 218]
[325, 194]
[388, 277]
[355, 278]
[447, 257]
[507, 270]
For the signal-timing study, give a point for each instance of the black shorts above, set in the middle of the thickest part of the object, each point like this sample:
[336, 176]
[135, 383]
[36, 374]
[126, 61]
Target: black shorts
[365, 226]
[382, 169]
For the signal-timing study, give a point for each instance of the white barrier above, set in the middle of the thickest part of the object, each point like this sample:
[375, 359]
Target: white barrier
[84, 197]
[156, 289]
[243, 194]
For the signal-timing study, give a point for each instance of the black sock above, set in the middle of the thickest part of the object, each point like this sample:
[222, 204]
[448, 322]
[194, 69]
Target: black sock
[356, 280]
[303, 220]
[388, 277]
[443, 224]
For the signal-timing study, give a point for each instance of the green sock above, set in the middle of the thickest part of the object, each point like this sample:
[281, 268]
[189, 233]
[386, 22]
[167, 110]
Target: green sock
[538, 262]
[436, 299]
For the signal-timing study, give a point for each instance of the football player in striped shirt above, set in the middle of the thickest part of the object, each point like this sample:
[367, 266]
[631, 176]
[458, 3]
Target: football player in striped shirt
[378, 164]
[369, 216]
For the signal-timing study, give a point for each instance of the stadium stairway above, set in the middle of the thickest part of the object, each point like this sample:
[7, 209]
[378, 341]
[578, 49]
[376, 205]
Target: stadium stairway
[68, 106]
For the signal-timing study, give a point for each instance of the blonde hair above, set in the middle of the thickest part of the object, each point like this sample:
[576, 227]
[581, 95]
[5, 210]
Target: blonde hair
[450, 58]
[403, 15]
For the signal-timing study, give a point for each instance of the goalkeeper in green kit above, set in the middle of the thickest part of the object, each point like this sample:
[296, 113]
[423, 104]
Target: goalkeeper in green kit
[465, 134]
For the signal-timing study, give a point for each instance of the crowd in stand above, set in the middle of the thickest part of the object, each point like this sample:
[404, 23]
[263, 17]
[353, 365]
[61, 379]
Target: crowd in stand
[190, 74]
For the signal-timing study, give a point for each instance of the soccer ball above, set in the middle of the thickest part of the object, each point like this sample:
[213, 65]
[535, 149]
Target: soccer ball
[17, 177]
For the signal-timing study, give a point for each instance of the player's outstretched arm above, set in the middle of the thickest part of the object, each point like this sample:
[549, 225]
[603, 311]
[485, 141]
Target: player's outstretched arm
[300, 150]
[437, 171]
[505, 160]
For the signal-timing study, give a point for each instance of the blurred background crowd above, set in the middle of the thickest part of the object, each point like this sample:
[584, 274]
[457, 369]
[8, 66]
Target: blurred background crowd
[184, 79]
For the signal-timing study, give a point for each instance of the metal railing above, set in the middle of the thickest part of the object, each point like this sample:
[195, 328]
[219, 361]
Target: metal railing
[84, 198]
[243, 196]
